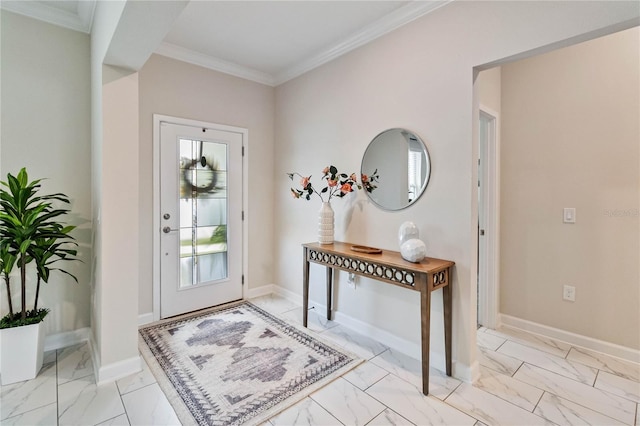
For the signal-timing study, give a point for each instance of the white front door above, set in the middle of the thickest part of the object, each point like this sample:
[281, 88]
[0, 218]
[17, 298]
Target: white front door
[201, 218]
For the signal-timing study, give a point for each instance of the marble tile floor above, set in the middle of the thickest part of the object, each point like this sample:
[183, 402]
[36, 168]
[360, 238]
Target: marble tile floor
[525, 380]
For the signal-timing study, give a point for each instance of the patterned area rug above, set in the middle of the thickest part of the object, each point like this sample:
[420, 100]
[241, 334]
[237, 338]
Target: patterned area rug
[237, 364]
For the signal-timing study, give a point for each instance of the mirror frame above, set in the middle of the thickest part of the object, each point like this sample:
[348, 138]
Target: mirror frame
[427, 177]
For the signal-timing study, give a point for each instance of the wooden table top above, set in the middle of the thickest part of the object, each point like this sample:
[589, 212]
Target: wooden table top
[387, 257]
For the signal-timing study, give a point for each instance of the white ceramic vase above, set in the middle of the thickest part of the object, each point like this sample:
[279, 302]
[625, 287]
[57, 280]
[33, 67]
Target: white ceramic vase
[413, 250]
[407, 231]
[22, 351]
[325, 224]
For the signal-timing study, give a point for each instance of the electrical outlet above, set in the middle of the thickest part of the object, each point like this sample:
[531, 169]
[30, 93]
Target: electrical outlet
[569, 293]
[351, 280]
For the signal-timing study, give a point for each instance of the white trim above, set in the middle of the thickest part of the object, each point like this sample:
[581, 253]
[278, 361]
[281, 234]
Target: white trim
[287, 294]
[196, 58]
[246, 210]
[66, 339]
[469, 375]
[79, 21]
[82, 21]
[95, 356]
[404, 346]
[144, 319]
[157, 119]
[264, 290]
[409, 348]
[118, 370]
[399, 344]
[86, 10]
[155, 274]
[111, 372]
[490, 271]
[382, 26]
[574, 339]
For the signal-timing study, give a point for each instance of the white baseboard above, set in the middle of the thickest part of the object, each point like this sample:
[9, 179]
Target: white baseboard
[114, 371]
[586, 342]
[264, 290]
[414, 350]
[65, 339]
[411, 349]
[469, 375]
[287, 294]
[144, 319]
[95, 356]
[407, 347]
[118, 370]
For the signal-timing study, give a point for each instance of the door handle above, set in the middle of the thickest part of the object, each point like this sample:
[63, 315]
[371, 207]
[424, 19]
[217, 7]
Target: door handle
[166, 229]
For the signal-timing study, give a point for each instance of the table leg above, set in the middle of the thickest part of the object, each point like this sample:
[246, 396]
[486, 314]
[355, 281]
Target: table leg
[329, 291]
[425, 325]
[448, 322]
[305, 288]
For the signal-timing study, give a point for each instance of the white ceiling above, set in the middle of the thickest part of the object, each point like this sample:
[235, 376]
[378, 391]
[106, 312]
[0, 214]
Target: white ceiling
[75, 15]
[265, 41]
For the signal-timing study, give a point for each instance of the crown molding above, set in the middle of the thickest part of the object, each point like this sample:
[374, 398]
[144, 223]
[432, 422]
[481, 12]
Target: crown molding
[43, 12]
[216, 64]
[83, 20]
[388, 23]
[86, 10]
[394, 20]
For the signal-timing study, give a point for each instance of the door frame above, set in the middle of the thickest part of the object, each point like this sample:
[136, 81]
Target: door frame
[157, 119]
[489, 264]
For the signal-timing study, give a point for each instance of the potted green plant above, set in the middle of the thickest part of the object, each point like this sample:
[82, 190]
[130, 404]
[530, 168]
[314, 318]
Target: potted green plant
[29, 233]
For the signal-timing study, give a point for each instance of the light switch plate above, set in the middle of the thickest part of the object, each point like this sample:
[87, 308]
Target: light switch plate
[569, 215]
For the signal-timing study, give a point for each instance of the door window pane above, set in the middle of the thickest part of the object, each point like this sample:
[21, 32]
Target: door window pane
[212, 266]
[211, 239]
[186, 212]
[203, 211]
[211, 212]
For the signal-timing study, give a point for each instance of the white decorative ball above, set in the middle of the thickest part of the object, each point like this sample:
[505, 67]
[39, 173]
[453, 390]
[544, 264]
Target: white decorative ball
[407, 231]
[413, 250]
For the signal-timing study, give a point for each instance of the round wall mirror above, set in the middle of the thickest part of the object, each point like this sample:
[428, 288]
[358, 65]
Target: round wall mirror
[397, 162]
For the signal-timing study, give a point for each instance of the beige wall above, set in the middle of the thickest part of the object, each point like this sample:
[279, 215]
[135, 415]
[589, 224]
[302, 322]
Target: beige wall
[46, 128]
[178, 89]
[571, 138]
[114, 134]
[419, 77]
[119, 258]
[489, 84]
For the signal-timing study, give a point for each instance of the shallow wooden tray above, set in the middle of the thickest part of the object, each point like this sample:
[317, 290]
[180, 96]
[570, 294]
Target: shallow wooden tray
[365, 249]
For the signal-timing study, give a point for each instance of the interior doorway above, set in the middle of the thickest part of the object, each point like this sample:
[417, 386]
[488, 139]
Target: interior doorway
[488, 217]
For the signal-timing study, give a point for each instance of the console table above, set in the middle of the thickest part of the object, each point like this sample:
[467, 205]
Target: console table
[389, 267]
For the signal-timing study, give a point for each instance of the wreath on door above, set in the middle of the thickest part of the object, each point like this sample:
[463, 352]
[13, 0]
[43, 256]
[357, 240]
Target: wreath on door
[199, 175]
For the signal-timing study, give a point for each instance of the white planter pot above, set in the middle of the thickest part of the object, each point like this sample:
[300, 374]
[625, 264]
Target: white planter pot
[22, 350]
